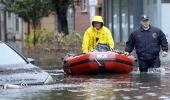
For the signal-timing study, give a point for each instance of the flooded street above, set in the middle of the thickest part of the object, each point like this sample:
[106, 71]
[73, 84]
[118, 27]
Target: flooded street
[132, 86]
[99, 87]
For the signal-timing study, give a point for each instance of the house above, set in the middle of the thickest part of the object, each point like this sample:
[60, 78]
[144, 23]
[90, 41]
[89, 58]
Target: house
[10, 26]
[13, 26]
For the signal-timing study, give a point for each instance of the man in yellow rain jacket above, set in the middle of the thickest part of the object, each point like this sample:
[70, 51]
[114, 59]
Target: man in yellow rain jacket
[97, 34]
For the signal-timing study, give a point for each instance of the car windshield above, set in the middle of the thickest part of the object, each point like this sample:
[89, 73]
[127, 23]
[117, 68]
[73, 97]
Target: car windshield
[9, 56]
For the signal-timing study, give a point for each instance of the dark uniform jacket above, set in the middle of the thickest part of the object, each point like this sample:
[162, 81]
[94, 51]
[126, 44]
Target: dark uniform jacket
[147, 43]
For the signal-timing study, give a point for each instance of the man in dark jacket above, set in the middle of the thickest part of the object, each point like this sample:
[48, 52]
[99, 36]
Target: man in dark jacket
[147, 41]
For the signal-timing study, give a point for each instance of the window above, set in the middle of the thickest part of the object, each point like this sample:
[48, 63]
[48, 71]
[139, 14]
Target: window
[9, 16]
[9, 56]
[17, 24]
[84, 6]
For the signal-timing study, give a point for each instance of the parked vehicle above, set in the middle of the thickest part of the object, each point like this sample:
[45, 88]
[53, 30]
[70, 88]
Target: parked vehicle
[16, 69]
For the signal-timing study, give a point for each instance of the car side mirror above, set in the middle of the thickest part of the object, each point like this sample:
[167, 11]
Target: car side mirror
[30, 60]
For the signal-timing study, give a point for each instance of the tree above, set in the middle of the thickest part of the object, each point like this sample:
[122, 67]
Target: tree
[61, 7]
[31, 11]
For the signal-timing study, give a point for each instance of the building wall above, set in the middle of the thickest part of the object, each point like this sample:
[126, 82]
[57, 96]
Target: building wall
[13, 27]
[152, 8]
[165, 25]
[122, 16]
[82, 19]
[70, 19]
[100, 8]
[47, 24]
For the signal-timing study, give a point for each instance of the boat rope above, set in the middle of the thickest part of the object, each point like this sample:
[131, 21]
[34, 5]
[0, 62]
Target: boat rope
[101, 65]
[97, 61]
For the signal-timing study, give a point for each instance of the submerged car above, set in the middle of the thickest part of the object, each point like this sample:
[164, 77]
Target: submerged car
[16, 69]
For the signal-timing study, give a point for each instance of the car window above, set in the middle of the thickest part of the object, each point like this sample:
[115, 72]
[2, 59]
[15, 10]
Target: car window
[9, 56]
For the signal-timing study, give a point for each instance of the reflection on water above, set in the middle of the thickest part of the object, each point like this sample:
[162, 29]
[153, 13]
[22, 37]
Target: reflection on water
[94, 87]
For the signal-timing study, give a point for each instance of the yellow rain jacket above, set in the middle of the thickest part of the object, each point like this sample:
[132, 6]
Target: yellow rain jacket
[103, 34]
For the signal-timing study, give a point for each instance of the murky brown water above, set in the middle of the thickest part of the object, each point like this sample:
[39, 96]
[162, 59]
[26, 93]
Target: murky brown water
[133, 86]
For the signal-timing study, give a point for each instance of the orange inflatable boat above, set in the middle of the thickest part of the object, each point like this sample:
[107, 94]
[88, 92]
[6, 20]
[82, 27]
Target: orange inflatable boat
[98, 62]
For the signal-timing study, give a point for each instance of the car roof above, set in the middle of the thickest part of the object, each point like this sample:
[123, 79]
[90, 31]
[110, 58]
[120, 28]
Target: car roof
[14, 51]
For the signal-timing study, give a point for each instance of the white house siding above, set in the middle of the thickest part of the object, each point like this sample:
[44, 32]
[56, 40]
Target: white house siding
[2, 35]
[165, 19]
[14, 27]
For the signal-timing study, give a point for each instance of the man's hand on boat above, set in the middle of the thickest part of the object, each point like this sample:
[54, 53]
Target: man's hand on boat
[164, 54]
[68, 56]
[126, 53]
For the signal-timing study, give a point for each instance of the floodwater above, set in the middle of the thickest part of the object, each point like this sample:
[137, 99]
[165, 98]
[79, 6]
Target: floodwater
[132, 86]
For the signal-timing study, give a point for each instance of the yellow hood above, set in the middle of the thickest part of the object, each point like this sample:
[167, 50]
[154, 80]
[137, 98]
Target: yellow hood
[97, 19]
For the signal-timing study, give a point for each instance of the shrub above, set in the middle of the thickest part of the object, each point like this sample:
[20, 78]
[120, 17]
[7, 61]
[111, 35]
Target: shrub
[40, 37]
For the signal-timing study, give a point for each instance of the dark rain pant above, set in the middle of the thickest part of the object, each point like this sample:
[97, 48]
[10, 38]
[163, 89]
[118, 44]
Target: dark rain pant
[145, 64]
